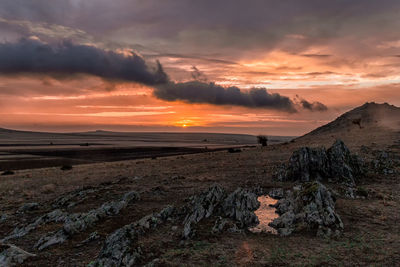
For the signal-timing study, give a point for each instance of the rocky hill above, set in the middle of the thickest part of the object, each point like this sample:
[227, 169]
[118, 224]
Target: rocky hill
[369, 124]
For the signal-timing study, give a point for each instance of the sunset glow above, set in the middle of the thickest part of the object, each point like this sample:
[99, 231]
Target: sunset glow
[336, 66]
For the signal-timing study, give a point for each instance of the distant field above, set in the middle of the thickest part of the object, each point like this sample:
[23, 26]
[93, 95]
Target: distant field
[27, 150]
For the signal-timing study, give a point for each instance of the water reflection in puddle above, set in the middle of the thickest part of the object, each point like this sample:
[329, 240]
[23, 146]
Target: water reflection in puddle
[265, 214]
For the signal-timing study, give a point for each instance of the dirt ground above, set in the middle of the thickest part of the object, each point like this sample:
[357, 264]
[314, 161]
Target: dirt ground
[372, 225]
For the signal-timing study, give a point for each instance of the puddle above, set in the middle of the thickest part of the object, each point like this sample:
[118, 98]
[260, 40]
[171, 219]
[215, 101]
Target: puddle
[265, 214]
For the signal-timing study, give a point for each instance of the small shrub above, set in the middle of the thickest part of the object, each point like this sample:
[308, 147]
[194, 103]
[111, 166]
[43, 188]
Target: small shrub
[263, 140]
[66, 167]
[8, 173]
[234, 150]
[361, 191]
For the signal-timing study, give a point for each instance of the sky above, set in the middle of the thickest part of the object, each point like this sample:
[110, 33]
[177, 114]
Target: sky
[257, 67]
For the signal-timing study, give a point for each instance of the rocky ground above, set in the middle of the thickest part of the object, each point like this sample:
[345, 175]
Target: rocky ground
[165, 214]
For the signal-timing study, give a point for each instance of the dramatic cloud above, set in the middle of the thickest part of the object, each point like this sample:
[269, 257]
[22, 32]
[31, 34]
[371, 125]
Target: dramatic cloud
[35, 57]
[210, 93]
[314, 106]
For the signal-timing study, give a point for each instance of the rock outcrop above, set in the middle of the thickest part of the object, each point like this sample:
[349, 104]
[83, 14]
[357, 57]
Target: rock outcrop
[121, 247]
[11, 255]
[28, 207]
[73, 198]
[238, 206]
[53, 216]
[383, 163]
[336, 164]
[310, 206]
[79, 222]
[202, 206]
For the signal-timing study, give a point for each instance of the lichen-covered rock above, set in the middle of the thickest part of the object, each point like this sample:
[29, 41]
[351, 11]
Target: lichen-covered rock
[383, 163]
[308, 164]
[11, 255]
[202, 206]
[92, 237]
[276, 193]
[311, 207]
[54, 216]
[336, 164]
[121, 248]
[224, 224]
[236, 209]
[71, 199]
[79, 222]
[240, 206]
[152, 220]
[28, 207]
[3, 218]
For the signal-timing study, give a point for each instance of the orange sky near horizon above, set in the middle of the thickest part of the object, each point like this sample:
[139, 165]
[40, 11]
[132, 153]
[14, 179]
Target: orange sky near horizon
[337, 54]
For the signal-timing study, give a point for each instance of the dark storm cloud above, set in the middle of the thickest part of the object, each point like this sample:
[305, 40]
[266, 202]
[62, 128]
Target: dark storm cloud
[310, 106]
[180, 25]
[35, 57]
[210, 93]
[314, 106]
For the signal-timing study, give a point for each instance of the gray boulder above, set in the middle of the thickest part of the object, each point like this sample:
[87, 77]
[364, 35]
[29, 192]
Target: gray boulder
[28, 207]
[235, 211]
[11, 255]
[3, 218]
[121, 247]
[383, 163]
[336, 164]
[311, 207]
[276, 193]
[240, 206]
[202, 206]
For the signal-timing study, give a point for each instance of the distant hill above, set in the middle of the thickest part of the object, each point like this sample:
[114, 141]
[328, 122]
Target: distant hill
[10, 137]
[368, 124]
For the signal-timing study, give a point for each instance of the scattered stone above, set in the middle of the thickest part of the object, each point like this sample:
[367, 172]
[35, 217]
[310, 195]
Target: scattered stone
[28, 207]
[336, 164]
[312, 207]
[79, 222]
[11, 255]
